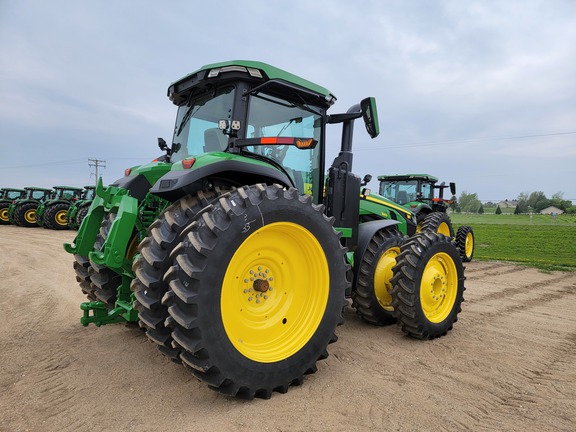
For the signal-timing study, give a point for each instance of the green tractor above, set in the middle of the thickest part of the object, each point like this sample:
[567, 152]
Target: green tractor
[22, 212]
[79, 209]
[421, 194]
[7, 197]
[245, 268]
[52, 213]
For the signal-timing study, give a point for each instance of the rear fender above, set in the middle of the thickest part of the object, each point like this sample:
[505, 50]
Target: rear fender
[179, 182]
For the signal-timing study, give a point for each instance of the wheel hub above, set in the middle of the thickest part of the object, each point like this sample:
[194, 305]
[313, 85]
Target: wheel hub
[257, 284]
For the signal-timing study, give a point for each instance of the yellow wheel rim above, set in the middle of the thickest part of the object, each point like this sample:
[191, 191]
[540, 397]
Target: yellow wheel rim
[30, 216]
[382, 276]
[439, 287]
[443, 228]
[4, 215]
[132, 247]
[469, 245]
[275, 292]
[61, 217]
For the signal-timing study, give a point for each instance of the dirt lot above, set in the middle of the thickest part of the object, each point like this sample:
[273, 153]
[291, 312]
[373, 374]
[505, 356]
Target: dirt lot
[509, 364]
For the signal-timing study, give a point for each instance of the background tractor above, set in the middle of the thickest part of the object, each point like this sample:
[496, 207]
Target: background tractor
[79, 209]
[7, 197]
[52, 213]
[422, 194]
[22, 212]
[243, 274]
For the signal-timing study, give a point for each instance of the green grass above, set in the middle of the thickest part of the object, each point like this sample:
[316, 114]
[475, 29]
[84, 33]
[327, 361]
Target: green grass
[538, 242]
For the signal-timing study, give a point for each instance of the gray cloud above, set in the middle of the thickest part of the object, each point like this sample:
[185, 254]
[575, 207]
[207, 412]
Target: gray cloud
[478, 92]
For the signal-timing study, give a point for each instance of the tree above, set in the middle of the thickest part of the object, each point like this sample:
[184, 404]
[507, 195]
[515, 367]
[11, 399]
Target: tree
[538, 201]
[469, 202]
[499, 211]
[481, 209]
[558, 201]
[522, 206]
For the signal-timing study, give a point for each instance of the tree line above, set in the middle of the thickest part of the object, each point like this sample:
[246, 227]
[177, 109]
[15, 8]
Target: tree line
[526, 202]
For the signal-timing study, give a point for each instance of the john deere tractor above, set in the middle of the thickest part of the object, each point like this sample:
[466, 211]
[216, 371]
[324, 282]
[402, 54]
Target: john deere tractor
[7, 197]
[243, 274]
[22, 212]
[52, 213]
[422, 194]
[79, 209]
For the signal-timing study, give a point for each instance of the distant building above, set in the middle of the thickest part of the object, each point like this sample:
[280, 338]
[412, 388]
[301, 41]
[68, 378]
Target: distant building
[508, 204]
[551, 209]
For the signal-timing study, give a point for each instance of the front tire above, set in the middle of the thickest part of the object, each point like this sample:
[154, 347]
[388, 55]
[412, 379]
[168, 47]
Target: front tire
[438, 222]
[465, 242]
[258, 291]
[371, 295]
[428, 286]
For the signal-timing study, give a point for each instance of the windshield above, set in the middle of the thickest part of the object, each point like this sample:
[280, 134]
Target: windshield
[269, 116]
[401, 193]
[88, 194]
[196, 129]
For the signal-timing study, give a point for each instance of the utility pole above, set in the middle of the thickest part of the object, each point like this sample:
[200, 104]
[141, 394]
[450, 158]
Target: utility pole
[96, 163]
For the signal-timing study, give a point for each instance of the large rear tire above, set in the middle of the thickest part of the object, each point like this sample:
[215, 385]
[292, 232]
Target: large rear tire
[371, 295]
[55, 216]
[428, 286]
[465, 242]
[25, 214]
[258, 291]
[4, 220]
[154, 260]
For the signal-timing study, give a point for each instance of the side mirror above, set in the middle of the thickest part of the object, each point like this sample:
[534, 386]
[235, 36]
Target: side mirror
[453, 188]
[162, 144]
[370, 116]
[366, 180]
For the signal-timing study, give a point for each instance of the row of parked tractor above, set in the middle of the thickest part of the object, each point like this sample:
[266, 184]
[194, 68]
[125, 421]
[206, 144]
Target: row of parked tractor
[58, 208]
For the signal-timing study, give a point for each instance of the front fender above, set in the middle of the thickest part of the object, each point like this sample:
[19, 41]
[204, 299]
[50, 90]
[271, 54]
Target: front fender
[366, 231]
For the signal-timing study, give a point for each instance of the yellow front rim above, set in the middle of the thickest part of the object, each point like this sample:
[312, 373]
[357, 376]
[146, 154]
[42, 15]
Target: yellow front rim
[4, 215]
[443, 228]
[275, 292]
[30, 216]
[469, 246]
[439, 287]
[382, 276]
[61, 217]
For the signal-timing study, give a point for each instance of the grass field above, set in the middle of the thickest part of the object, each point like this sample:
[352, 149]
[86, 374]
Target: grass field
[538, 241]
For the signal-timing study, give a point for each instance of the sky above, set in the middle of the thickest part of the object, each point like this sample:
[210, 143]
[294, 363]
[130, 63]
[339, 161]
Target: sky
[481, 93]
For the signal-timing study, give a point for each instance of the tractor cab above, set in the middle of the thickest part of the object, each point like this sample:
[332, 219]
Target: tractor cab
[415, 190]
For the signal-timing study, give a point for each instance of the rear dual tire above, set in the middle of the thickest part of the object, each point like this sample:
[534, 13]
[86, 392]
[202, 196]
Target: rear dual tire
[257, 292]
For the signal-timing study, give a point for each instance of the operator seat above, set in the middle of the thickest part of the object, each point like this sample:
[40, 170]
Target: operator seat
[214, 140]
[402, 197]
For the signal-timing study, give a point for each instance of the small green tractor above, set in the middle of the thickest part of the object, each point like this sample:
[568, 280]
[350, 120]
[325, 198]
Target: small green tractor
[421, 194]
[237, 251]
[7, 197]
[52, 212]
[79, 209]
[22, 212]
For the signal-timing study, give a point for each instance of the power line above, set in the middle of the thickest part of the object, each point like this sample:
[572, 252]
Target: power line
[96, 163]
[469, 140]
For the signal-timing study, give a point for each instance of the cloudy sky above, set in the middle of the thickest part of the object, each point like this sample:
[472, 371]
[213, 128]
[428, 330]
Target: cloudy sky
[482, 93]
